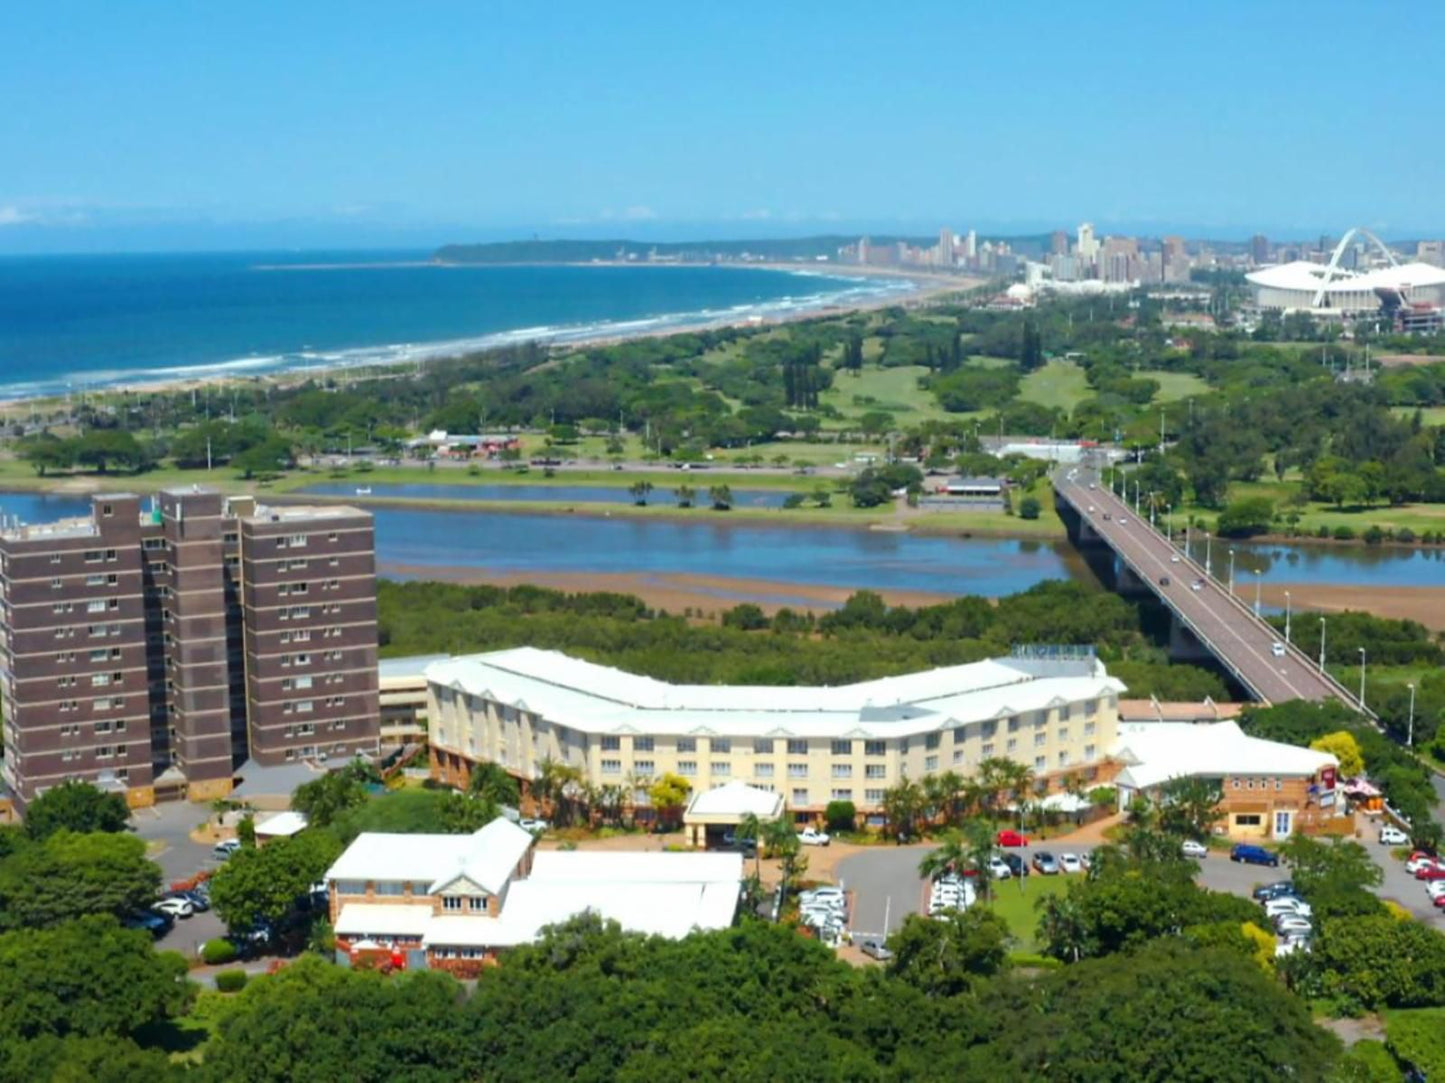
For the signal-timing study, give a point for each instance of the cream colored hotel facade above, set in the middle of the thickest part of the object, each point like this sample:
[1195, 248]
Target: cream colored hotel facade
[1056, 714]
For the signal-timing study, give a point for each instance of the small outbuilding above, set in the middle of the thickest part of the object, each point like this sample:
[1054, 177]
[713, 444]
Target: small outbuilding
[711, 814]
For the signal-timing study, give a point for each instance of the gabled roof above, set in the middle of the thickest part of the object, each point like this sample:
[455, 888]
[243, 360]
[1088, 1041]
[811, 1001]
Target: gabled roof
[1157, 752]
[486, 857]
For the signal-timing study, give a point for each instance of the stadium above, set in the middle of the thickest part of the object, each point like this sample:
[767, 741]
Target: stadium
[1407, 293]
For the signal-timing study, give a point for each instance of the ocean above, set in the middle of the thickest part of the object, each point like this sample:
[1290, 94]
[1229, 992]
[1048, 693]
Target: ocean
[95, 321]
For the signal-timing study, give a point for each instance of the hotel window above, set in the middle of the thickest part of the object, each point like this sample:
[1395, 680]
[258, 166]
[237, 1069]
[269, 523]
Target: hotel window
[1236, 783]
[842, 770]
[762, 770]
[1279, 784]
[643, 768]
[1040, 739]
[987, 750]
[960, 734]
[930, 763]
[797, 770]
[1041, 719]
[297, 541]
[1064, 758]
[721, 768]
[902, 745]
[797, 748]
[1088, 729]
[843, 794]
[305, 706]
[762, 746]
[477, 904]
[873, 797]
[1013, 744]
[930, 741]
[687, 768]
[800, 797]
[1039, 763]
[721, 744]
[1246, 819]
[1090, 706]
[958, 755]
[687, 744]
[390, 887]
[1088, 752]
[451, 902]
[842, 748]
[612, 767]
[1013, 724]
[93, 556]
[875, 770]
[642, 744]
[1063, 734]
[611, 744]
[875, 748]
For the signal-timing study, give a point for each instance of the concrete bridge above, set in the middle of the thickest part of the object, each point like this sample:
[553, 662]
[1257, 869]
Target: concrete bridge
[1206, 619]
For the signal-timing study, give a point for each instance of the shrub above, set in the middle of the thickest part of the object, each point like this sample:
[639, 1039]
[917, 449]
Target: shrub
[1405, 535]
[1344, 533]
[1373, 536]
[231, 981]
[217, 952]
[1322, 532]
[793, 500]
[1029, 507]
[841, 815]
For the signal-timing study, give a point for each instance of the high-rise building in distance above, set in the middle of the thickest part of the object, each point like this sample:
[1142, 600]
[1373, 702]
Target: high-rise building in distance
[1259, 249]
[154, 649]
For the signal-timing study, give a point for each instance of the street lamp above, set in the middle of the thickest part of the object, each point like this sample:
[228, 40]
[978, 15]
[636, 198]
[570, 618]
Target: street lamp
[1362, 678]
[1286, 616]
[1169, 523]
[1208, 550]
[1410, 735]
[1258, 578]
[1322, 644]
[1231, 570]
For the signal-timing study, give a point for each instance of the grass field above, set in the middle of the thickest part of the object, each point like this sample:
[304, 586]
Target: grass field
[1174, 386]
[1017, 906]
[1058, 385]
[894, 390]
[1429, 415]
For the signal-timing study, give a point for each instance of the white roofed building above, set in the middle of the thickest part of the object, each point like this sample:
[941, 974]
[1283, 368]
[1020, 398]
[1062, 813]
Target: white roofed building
[1270, 789]
[455, 902]
[1332, 290]
[1054, 711]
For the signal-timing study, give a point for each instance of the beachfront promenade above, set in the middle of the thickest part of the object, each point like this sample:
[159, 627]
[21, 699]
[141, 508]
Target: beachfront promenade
[1206, 613]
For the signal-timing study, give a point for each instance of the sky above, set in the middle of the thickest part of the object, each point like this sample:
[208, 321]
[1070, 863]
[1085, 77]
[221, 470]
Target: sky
[191, 125]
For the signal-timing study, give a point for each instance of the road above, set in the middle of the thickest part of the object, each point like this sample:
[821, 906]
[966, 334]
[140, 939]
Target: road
[1242, 642]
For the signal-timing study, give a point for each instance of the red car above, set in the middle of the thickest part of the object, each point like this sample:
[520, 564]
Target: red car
[1431, 872]
[1013, 838]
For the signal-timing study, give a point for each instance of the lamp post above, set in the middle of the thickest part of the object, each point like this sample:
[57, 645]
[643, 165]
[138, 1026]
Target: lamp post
[1258, 578]
[1231, 570]
[1362, 678]
[1286, 616]
[1169, 523]
[1208, 553]
[1410, 734]
[1322, 644]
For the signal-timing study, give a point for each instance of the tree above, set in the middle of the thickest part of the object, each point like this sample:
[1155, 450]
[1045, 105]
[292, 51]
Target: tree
[1189, 807]
[721, 497]
[943, 957]
[324, 799]
[271, 455]
[86, 977]
[639, 491]
[841, 816]
[1342, 746]
[902, 804]
[102, 448]
[70, 875]
[686, 495]
[1029, 507]
[668, 794]
[1334, 876]
[75, 806]
[263, 884]
[1245, 518]
[491, 780]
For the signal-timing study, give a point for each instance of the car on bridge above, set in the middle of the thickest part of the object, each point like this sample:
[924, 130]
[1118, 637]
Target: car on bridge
[1277, 649]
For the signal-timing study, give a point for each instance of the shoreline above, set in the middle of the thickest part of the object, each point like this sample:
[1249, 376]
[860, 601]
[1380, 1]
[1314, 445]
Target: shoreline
[926, 288]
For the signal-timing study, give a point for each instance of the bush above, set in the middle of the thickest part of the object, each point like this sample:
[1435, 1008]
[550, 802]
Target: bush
[1373, 536]
[793, 500]
[1405, 535]
[231, 981]
[1344, 533]
[218, 952]
[1029, 507]
[841, 816]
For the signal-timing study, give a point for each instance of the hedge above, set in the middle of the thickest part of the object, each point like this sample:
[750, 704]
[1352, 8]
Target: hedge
[231, 981]
[217, 952]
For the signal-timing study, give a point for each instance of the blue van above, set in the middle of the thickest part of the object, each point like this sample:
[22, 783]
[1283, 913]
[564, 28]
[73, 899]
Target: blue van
[1253, 855]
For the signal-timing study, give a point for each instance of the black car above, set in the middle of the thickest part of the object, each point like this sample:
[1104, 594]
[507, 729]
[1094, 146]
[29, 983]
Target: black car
[1276, 890]
[200, 902]
[152, 921]
[745, 845]
[1017, 866]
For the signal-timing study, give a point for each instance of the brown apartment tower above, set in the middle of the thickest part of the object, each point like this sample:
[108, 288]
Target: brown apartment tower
[155, 646]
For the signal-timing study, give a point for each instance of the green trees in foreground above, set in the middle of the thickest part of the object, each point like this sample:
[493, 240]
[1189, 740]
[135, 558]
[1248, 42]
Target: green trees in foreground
[75, 806]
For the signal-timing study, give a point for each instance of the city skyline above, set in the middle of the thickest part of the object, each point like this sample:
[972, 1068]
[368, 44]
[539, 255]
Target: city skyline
[371, 128]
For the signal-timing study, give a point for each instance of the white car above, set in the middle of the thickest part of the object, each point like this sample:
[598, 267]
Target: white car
[175, 907]
[1288, 904]
[998, 868]
[225, 848]
[811, 836]
[1435, 888]
[1277, 649]
[1070, 863]
[1390, 835]
[827, 891]
[1174, 558]
[535, 826]
[1194, 849]
[1415, 864]
[1123, 520]
[1290, 926]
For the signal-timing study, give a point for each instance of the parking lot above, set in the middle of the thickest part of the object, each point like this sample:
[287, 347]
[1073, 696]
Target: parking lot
[167, 829]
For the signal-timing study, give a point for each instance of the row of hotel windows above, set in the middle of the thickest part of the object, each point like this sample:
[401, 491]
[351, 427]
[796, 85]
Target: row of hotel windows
[306, 706]
[301, 684]
[97, 680]
[95, 605]
[100, 579]
[723, 769]
[765, 746]
[100, 703]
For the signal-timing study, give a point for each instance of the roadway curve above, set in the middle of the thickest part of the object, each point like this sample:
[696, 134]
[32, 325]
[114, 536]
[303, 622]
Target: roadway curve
[1228, 629]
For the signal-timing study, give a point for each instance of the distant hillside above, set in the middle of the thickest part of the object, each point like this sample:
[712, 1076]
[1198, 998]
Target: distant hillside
[563, 251]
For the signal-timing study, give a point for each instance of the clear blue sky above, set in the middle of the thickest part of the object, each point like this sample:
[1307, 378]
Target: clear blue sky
[147, 124]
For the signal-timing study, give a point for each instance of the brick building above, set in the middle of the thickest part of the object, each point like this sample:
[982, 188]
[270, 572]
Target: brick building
[153, 648]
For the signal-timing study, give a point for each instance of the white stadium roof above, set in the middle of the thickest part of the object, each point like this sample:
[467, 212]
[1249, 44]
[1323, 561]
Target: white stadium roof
[1306, 277]
[600, 699]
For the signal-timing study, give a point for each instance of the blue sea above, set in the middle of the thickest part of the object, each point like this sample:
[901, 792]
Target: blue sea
[92, 321]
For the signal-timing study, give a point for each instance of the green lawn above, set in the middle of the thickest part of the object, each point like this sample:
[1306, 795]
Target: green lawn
[894, 390]
[1059, 384]
[1017, 907]
[1174, 386]
[1429, 415]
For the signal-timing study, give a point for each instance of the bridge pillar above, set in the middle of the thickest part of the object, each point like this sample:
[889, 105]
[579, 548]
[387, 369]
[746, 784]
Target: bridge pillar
[1127, 582]
[1183, 646]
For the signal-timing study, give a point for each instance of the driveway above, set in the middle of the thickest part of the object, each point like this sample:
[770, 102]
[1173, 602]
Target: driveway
[166, 829]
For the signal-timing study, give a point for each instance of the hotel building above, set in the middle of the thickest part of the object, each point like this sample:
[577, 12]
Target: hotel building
[153, 649]
[1055, 713]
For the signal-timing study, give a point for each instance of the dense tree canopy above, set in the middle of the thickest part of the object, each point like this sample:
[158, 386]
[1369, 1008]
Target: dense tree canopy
[75, 806]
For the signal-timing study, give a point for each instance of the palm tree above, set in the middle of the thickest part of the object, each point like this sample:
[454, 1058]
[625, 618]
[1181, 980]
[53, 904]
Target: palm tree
[721, 497]
[979, 837]
[952, 788]
[901, 804]
[558, 785]
[685, 494]
[949, 857]
[639, 491]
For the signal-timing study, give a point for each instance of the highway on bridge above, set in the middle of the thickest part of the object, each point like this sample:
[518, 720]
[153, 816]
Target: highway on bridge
[1246, 645]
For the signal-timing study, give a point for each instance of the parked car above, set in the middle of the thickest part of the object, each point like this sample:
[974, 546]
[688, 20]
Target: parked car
[1016, 865]
[1192, 848]
[1044, 863]
[1390, 835]
[875, 949]
[1086, 859]
[1070, 863]
[534, 825]
[811, 836]
[152, 921]
[747, 844]
[1439, 901]
[1287, 925]
[225, 848]
[1433, 871]
[1253, 855]
[200, 901]
[1435, 888]
[1288, 904]
[1012, 838]
[998, 868]
[175, 906]
[1270, 891]
[1418, 860]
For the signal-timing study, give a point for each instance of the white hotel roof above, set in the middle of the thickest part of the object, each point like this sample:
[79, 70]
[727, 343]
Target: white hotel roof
[486, 857]
[600, 699]
[1156, 752]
